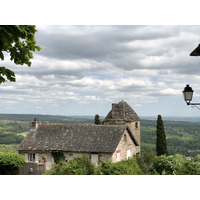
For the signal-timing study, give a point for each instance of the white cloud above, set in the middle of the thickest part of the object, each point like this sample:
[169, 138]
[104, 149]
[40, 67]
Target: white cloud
[104, 64]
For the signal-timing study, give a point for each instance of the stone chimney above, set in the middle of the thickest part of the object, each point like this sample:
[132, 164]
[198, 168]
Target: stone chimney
[36, 123]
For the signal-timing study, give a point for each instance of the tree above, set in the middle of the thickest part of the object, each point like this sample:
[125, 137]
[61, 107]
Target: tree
[19, 42]
[97, 120]
[11, 163]
[161, 142]
[145, 160]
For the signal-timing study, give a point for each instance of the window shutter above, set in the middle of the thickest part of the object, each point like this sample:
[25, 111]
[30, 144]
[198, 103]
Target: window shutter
[94, 158]
[37, 157]
[26, 157]
[118, 157]
[128, 154]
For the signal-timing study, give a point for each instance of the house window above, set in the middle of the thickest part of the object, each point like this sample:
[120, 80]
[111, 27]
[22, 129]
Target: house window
[128, 154]
[118, 157]
[136, 124]
[32, 157]
[94, 158]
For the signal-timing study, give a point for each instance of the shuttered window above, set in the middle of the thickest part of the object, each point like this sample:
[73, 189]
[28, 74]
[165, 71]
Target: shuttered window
[128, 154]
[118, 157]
[94, 158]
[37, 158]
[26, 157]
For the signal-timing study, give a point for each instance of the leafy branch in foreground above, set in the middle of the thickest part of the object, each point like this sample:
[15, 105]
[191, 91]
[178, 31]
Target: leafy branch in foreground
[18, 41]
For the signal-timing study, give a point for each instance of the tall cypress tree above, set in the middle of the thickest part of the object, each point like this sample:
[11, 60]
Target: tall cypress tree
[161, 142]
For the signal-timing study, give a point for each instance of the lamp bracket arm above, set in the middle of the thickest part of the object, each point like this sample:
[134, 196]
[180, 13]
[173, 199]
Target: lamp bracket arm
[193, 105]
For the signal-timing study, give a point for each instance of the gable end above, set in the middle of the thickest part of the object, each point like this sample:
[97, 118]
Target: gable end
[132, 136]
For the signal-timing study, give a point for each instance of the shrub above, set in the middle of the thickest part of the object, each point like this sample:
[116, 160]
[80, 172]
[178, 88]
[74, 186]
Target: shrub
[11, 163]
[106, 168]
[145, 160]
[164, 165]
[197, 158]
[124, 167]
[81, 165]
[189, 168]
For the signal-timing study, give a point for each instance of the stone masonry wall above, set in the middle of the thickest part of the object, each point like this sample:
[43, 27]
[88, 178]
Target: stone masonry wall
[125, 144]
[47, 161]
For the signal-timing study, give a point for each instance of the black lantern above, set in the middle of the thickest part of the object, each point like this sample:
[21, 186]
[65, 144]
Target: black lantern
[187, 94]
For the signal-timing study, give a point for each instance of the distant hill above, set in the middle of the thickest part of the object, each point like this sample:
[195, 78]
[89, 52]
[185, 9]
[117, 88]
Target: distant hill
[30, 117]
[173, 118]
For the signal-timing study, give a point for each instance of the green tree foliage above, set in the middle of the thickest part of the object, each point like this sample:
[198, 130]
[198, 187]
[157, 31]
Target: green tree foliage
[161, 142]
[145, 160]
[97, 120]
[11, 163]
[189, 168]
[164, 165]
[18, 41]
[124, 167]
[197, 158]
[81, 165]
[11, 139]
[173, 165]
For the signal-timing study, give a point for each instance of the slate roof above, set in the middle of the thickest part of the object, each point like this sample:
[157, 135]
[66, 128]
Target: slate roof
[74, 138]
[129, 113]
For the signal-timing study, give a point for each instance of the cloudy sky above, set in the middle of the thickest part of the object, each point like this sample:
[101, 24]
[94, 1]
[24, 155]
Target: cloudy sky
[82, 70]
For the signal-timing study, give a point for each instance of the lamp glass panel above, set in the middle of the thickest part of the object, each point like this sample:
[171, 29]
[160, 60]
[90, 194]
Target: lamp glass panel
[188, 96]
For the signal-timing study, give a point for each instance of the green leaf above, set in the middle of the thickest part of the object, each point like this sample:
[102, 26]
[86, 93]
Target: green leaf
[1, 56]
[10, 75]
[19, 41]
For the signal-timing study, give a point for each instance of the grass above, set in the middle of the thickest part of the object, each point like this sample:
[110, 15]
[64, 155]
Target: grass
[23, 133]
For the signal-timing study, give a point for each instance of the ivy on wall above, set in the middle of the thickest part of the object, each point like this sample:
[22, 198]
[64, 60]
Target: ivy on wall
[58, 156]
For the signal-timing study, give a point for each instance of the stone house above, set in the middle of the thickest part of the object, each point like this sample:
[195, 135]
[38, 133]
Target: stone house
[117, 139]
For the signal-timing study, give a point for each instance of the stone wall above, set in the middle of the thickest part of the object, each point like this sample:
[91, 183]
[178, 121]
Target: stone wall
[33, 169]
[125, 144]
[46, 161]
[135, 129]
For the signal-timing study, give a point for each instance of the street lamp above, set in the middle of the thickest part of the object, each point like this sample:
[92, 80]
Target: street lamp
[187, 94]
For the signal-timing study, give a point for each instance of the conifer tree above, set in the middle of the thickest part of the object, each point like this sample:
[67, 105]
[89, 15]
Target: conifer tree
[97, 120]
[161, 142]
